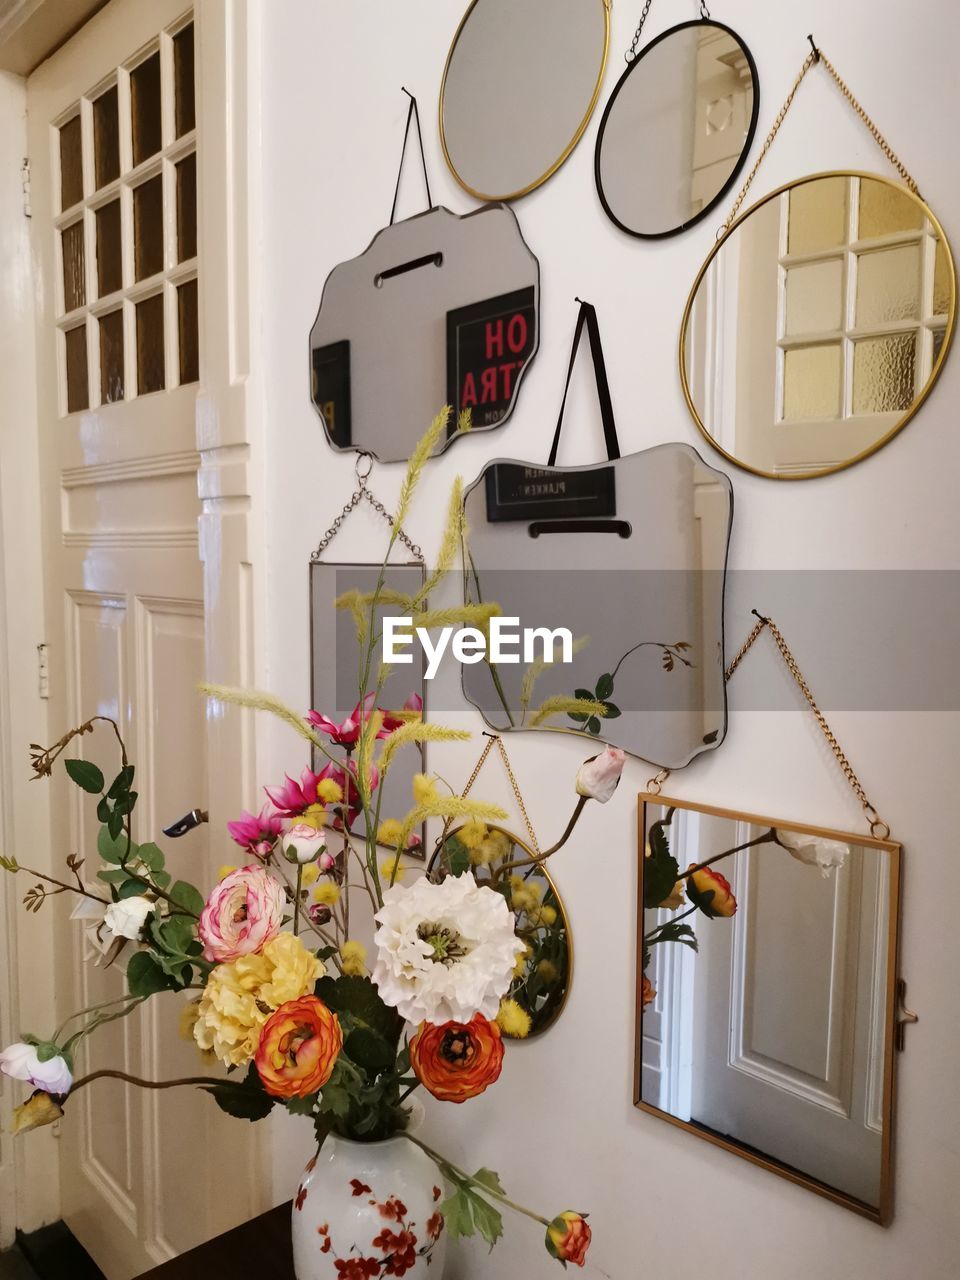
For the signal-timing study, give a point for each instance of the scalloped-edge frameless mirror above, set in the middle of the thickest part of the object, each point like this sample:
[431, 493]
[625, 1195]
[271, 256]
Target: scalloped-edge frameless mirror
[677, 129]
[440, 309]
[521, 82]
[767, 993]
[627, 556]
[818, 324]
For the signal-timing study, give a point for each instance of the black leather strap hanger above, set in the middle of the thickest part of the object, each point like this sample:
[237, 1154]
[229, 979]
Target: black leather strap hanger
[588, 317]
[413, 115]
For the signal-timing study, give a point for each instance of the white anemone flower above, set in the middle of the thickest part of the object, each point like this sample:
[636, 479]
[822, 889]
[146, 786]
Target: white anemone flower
[815, 851]
[445, 952]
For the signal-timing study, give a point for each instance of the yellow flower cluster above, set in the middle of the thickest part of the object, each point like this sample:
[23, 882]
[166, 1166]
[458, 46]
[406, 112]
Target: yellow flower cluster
[241, 995]
[353, 958]
[327, 894]
[513, 1020]
[524, 895]
[392, 870]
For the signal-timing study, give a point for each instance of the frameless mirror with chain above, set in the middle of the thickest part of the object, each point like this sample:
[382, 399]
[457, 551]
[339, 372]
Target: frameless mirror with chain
[677, 128]
[628, 558]
[519, 88]
[767, 987]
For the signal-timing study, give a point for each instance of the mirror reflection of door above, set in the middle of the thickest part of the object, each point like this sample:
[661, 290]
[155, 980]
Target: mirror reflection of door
[774, 1034]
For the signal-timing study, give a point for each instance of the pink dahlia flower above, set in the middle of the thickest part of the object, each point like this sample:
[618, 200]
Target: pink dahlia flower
[294, 798]
[391, 720]
[242, 914]
[257, 832]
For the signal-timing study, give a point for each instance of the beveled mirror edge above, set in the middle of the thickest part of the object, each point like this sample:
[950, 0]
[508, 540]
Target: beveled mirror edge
[934, 373]
[571, 146]
[881, 1213]
[522, 844]
[580, 733]
[748, 142]
[437, 208]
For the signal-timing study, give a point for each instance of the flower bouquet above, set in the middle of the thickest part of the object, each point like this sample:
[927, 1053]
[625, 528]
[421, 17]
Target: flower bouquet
[286, 1004]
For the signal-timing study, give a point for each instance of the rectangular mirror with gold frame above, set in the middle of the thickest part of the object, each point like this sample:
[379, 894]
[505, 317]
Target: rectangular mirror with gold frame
[766, 993]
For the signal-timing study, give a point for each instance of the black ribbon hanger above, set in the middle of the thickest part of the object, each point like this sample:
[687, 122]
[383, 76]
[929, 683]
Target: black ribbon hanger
[588, 317]
[413, 116]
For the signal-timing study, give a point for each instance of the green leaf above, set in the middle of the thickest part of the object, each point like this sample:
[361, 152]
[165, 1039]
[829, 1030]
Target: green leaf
[112, 847]
[370, 1051]
[151, 856]
[115, 824]
[302, 1106]
[104, 810]
[122, 782]
[358, 999]
[116, 876]
[457, 856]
[465, 1212]
[10, 864]
[613, 712]
[336, 1100]
[587, 694]
[604, 687]
[593, 726]
[660, 869]
[145, 976]
[46, 1050]
[85, 775]
[186, 896]
[489, 1178]
[245, 1100]
[132, 889]
[671, 932]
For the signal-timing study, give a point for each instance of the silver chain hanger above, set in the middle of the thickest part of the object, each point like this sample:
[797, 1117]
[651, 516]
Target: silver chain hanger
[362, 493]
[631, 53]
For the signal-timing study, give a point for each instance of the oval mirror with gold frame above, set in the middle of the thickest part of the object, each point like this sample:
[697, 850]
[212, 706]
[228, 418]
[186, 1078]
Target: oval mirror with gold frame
[818, 324]
[520, 85]
[544, 974]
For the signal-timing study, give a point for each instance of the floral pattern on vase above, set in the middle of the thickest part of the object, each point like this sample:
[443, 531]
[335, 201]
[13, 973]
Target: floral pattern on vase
[367, 1211]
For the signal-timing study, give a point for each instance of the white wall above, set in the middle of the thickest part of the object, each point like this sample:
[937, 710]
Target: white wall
[560, 1126]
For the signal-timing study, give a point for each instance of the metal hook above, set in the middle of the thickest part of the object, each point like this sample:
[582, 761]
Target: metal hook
[361, 458]
[816, 51]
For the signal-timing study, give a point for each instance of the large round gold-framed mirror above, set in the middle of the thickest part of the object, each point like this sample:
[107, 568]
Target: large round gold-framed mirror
[520, 84]
[544, 974]
[818, 324]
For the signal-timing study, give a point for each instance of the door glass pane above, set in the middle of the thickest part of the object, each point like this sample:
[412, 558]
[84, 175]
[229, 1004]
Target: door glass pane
[148, 228]
[109, 252]
[71, 163]
[75, 344]
[145, 108]
[818, 216]
[815, 297]
[884, 374]
[187, 208]
[74, 284]
[111, 357]
[938, 336]
[888, 285]
[150, 375]
[189, 328]
[942, 281]
[812, 383]
[185, 111]
[106, 137]
[885, 210]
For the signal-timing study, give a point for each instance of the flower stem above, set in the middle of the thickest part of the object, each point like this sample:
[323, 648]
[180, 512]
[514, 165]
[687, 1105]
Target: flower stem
[64, 888]
[536, 859]
[107, 1074]
[708, 862]
[296, 901]
[443, 1163]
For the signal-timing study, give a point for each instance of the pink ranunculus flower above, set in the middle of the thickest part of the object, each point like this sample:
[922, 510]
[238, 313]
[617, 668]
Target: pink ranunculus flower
[599, 776]
[257, 832]
[242, 914]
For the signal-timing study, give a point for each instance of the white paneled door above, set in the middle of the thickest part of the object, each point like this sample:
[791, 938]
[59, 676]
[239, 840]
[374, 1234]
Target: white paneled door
[114, 151]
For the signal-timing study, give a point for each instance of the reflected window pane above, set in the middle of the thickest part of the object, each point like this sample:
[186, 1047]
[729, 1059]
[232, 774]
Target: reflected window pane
[812, 383]
[815, 297]
[111, 357]
[145, 108]
[938, 337]
[818, 216]
[148, 228]
[74, 265]
[109, 250]
[187, 208]
[884, 371]
[189, 328]
[884, 211]
[106, 138]
[185, 111]
[943, 283]
[71, 163]
[888, 285]
[150, 364]
[75, 352]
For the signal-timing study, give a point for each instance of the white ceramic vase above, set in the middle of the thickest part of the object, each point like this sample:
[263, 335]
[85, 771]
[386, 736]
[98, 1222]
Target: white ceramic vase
[371, 1207]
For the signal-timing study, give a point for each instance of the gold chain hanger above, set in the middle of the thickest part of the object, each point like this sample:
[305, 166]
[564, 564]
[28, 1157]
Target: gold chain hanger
[495, 739]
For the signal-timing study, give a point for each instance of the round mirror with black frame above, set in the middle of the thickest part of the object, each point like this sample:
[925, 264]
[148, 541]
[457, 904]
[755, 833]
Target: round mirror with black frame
[677, 128]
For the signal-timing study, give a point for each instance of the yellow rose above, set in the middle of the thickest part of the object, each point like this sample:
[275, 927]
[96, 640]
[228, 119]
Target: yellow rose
[241, 995]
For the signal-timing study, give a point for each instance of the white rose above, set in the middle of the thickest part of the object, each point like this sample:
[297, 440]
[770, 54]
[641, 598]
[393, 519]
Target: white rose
[303, 843]
[814, 851]
[598, 778]
[20, 1062]
[126, 918]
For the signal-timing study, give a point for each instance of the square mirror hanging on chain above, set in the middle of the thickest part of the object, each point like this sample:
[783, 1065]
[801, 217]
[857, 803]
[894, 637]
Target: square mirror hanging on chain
[767, 993]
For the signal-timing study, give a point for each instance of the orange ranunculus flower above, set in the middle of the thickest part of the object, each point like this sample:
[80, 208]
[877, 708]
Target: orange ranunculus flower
[647, 992]
[711, 892]
[568, 1238]
[457, 1060]
[299, 1045]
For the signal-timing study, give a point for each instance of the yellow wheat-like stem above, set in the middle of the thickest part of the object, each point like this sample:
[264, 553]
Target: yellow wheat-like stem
[417, 731]
[256, 700]
[448, 807]
[470, 615]
[368, 739]
[356, 603]
[465, 421]
[560, 704]
[424, 449]
[536, 670]
[386, 595]
[449, 543]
